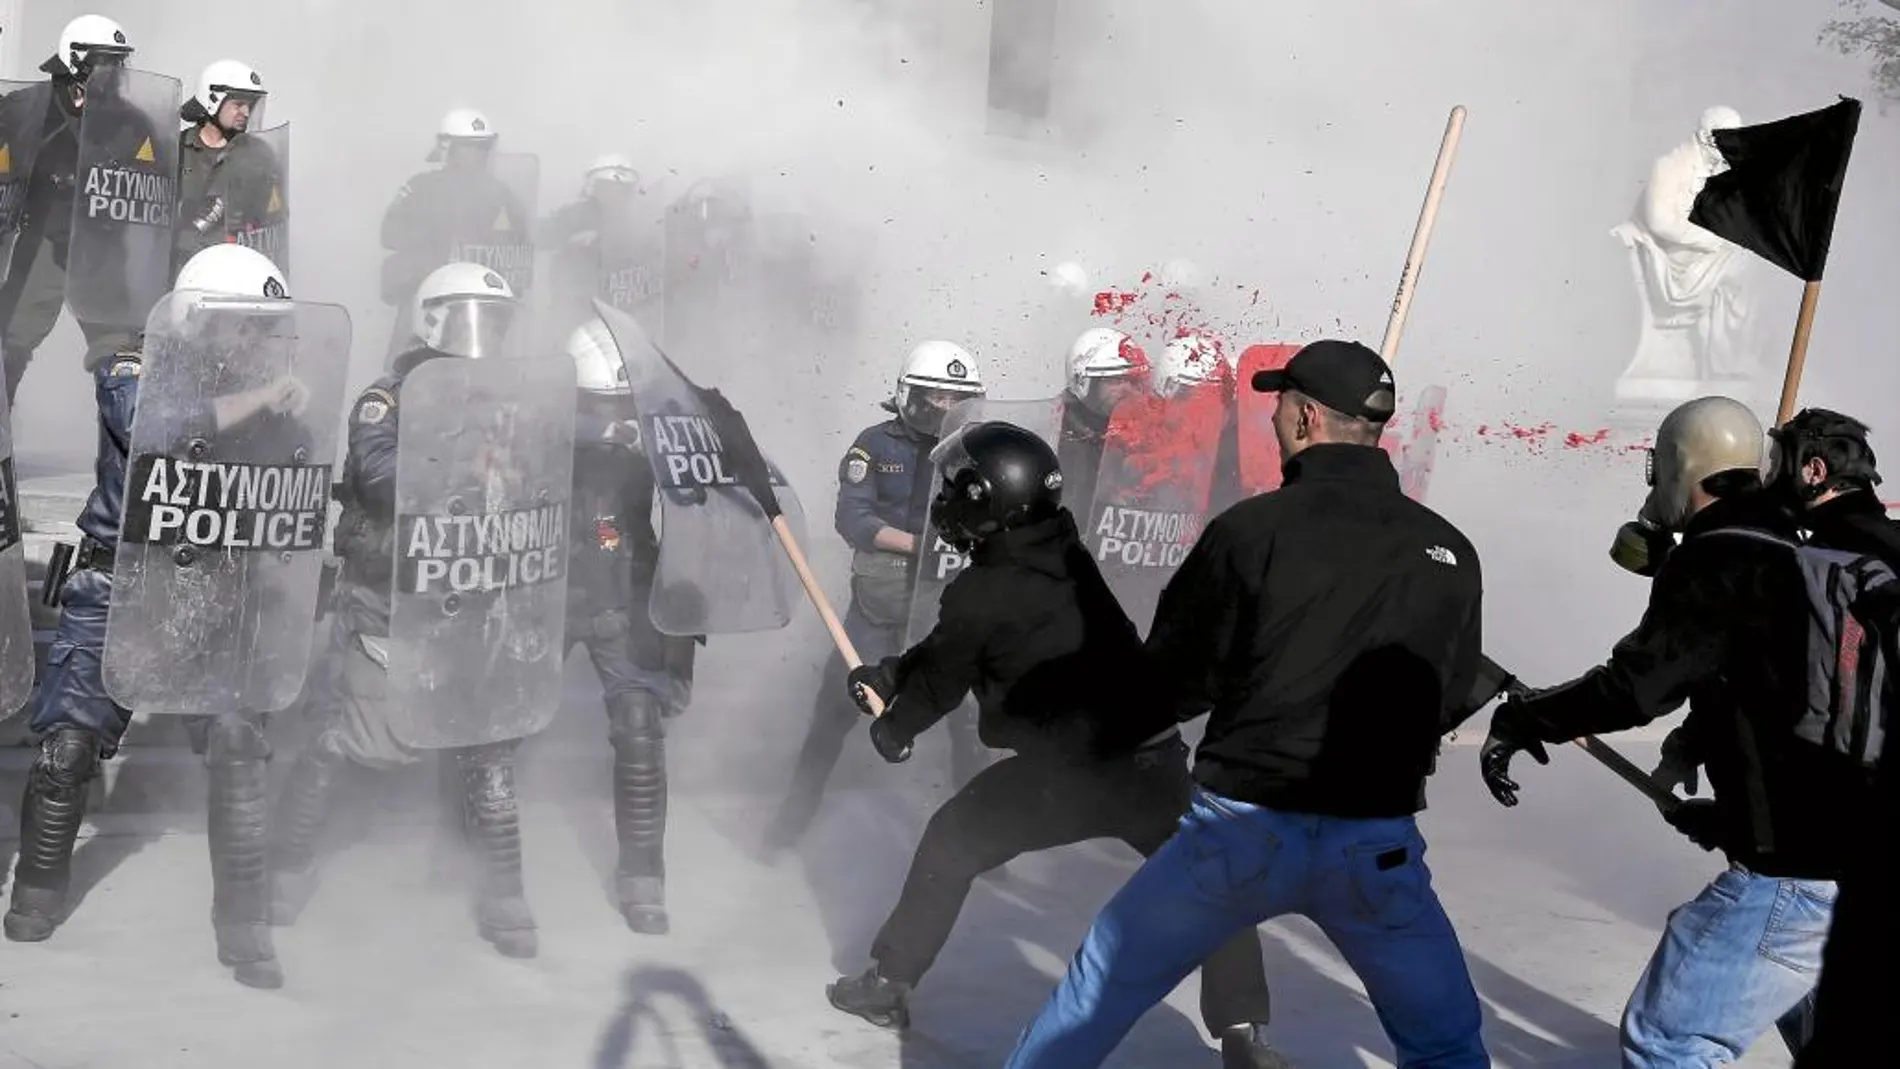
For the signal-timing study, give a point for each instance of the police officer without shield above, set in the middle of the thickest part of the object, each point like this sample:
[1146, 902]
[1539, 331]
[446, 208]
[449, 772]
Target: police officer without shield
[1727, 630]
[78, 723]
[646, 677]
[461, 311]
[229, 182]
[35, 287]
[1330, 629]
[1031, 629]
[884, 490]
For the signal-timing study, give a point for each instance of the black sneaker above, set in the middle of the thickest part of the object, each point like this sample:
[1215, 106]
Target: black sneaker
[876, 998]
[1244, 1046]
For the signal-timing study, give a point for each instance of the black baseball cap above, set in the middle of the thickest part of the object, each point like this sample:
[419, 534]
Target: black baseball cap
[1345, 376]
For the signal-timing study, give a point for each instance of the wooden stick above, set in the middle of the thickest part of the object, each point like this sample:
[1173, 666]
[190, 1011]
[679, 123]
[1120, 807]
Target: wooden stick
[1422, 236]
[1628, 772]
[809, 580]
[1798, 351]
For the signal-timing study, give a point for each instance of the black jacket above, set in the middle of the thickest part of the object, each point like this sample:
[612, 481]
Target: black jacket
[1031, 629]
[1331, 629]
[1726, 630]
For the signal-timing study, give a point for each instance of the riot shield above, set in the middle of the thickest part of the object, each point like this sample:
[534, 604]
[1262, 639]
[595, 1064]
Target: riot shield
[119, 262]
[938, 562]
[1152, 493]
[22, 118]
[631, 269]
[721, 570]
[221, 545]
[495, 225]
[16, 619]
[1259, 449]
[711, 250]
[261, 217]
[478, 610]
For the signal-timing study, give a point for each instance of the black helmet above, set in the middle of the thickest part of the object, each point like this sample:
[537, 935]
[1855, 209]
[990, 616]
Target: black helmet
[1839, 441]
[995, 476]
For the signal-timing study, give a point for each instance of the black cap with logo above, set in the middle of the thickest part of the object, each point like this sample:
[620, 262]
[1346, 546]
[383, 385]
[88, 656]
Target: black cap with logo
[1345, 376]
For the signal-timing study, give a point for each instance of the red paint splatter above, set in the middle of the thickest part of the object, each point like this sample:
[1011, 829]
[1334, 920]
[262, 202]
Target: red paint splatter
[1436, 419]
[1111, 303]
[1573, 440]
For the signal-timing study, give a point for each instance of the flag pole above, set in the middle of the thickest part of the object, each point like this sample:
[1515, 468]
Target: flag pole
[1798, 351]
[1422, 234]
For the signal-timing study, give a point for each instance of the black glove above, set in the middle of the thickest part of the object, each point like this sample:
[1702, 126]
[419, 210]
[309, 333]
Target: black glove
[879, 679]
[891, 744]
[1698, 819]
[1509, 735]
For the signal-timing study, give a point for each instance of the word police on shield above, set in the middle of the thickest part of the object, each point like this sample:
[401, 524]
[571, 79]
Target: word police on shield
[124, 195]
[490, 552]
[1141, 538]
[690, 453]
[252, 507]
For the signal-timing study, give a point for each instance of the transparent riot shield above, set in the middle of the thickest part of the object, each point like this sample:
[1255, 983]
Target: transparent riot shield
[721, 569]
[478, 609]
[1152, 493]
[23, 107]
[495, 220]
[711, 254]
[1414, 446]
[1259, 449]
[16, 620]
[631, 269]
[259, 215]
[119, 261]
[938, 562]
[226, 499]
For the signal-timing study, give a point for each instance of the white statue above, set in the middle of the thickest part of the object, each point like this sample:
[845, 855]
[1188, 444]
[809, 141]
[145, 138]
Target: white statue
[1697, 309]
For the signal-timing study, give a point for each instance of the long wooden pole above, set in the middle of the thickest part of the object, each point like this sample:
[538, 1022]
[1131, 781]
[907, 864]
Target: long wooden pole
[1798, 351]
[809, 580]
[1422, 234]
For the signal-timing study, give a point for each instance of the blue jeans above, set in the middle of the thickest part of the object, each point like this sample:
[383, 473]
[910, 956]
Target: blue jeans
[1231, 865]
[73, 688]
[1743, 955]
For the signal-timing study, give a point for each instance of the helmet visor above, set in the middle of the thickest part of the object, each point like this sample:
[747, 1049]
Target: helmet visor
[924, 408]
[474, 327]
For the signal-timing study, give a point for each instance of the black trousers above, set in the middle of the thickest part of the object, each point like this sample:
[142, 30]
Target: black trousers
[1022, 804]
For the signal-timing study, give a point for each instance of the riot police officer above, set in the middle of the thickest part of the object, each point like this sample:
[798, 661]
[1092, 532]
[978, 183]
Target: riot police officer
[1105, 367]
[606, 247]
[35, 288]
[461, 311]
[461, 211]
[884, 490]
[646, 677]
[229, 183]
[78, 723]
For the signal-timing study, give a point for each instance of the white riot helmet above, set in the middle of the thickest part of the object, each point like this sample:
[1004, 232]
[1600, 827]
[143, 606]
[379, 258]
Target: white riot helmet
[228, 78]
[86, 40]
[937, 374]
[463, 126]
[1099, 356]
[1070, 277]
[598, 368]
[1703, 437]
[464, 310]
[1188, 361]
[610, 169]
[232, 270]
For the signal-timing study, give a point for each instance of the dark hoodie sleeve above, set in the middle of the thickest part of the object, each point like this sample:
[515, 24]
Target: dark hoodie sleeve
[1195, 623]
[934, 676]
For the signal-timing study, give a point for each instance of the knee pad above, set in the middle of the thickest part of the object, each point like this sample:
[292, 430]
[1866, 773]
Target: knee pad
[488, 773]
[235, 737]
[635, 717]
[69, 758]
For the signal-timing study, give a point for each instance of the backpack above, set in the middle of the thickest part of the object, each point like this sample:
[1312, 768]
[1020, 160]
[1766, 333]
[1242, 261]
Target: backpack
[1853, 624]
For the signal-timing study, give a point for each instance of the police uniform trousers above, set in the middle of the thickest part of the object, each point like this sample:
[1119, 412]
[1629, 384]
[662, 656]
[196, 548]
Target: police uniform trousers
[356, 730]
[79, 725]
[30, 303]
[1025, 803]
[629, 657]
[835, 716]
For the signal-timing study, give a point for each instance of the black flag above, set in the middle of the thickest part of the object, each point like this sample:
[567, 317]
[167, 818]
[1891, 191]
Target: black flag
[1783, 186]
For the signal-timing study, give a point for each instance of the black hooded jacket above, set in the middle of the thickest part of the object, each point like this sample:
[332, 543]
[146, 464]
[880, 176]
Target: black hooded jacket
[1032, 630]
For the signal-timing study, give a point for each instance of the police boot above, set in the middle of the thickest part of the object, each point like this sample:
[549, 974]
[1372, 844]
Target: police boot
[302, 811]
[494, 824]
[240, 870]
[50, 814]
[637, 727]
[873, 996]
[1244, 1046]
